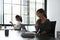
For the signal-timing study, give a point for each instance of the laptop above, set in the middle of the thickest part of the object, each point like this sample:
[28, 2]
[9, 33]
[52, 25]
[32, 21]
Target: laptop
[30, 28]
[30, 33]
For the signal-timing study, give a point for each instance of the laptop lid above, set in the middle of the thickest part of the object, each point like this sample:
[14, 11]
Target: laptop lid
[30, 28]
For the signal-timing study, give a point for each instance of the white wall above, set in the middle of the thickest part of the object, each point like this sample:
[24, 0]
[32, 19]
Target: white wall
[1, 11]
[53, 12]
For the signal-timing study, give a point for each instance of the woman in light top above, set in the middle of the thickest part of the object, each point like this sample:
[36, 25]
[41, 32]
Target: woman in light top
[18, 26]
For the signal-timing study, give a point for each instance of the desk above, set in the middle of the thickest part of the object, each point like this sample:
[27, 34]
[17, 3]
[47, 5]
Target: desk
[16, 35]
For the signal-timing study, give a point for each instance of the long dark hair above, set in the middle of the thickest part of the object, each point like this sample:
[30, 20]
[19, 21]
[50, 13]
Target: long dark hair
[20, 18]
[42, 12]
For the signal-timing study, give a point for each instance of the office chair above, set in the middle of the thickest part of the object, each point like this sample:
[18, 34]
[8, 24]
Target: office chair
[53, 24]
[22, 27]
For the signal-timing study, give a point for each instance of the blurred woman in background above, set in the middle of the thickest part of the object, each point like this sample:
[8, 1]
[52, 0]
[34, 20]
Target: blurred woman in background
[18, 25]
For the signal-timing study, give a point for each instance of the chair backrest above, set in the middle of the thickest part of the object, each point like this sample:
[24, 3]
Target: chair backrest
[23, 27]
[53, 24]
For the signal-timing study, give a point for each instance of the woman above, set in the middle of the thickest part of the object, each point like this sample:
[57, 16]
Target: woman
[43, 24]
[18, 26]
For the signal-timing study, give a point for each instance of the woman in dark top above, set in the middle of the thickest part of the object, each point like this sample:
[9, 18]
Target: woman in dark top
[43, 24]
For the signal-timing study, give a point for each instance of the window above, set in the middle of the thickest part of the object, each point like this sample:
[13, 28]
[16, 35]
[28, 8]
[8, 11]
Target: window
[11, 9]
[25, 8]
[34, 6]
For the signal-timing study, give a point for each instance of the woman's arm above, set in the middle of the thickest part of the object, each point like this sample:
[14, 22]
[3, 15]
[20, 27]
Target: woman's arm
[36, 26]
[43, 33]
[12, 23]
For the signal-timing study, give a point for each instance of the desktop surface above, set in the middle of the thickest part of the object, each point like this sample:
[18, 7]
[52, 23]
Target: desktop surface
[16, 35]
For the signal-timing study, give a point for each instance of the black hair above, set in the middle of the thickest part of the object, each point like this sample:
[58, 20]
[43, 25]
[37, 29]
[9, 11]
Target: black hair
[17, 16]
[42, 11]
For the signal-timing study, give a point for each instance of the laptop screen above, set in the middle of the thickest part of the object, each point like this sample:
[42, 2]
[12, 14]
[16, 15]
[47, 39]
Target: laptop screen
[30, 28]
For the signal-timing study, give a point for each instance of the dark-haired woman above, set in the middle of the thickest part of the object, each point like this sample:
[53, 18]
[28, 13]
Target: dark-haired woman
[43, 24]
[18, 25]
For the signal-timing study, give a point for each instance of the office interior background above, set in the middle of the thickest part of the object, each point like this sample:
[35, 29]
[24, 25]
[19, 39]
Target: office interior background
[27, 8]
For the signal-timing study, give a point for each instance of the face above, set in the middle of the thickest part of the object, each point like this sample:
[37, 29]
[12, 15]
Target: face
[17, 19]
[40, 15]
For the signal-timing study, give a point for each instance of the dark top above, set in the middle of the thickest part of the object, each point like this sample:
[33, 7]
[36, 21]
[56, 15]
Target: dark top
[44, 26]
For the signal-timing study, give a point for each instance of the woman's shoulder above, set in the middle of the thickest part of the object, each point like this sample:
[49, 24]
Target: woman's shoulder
[48, 21]
[18, 23]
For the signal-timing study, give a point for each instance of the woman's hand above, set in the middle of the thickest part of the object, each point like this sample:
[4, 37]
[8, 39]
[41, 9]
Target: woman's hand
[43, 33]
[11, 23]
